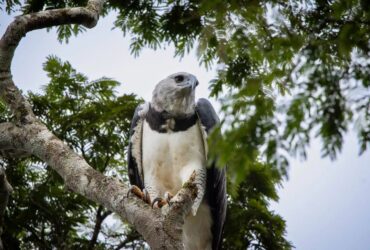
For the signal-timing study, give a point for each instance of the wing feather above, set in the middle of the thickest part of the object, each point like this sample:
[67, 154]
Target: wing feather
[216, 178]
[134, 160]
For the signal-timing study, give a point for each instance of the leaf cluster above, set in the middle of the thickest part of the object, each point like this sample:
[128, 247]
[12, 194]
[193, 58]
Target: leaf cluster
[291, 71]
[250, 224]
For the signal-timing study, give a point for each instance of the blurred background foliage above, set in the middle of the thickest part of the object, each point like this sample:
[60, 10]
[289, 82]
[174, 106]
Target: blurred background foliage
[287, 71]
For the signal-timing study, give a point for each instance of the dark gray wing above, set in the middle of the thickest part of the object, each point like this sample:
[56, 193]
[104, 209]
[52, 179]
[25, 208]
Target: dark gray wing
[132, 161]
[216, 178]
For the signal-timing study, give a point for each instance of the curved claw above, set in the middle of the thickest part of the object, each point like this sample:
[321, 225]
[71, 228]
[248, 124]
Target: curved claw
[146, 196]
[133, 189]
[158, 199]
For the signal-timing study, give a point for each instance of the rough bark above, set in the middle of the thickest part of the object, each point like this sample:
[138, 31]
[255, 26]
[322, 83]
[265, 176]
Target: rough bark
[162, 229]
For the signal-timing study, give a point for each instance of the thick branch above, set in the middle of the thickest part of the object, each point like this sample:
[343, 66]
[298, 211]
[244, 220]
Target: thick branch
[87, 16]
[77, 174]
[159, 230]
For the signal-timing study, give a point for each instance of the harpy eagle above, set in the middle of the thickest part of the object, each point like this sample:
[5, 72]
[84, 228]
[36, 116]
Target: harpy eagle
[167, 144]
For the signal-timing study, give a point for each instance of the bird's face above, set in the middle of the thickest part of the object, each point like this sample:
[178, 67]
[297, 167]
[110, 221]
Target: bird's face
[176, 94]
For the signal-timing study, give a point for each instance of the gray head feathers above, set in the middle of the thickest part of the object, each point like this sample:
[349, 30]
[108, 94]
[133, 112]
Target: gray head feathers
[175, 94]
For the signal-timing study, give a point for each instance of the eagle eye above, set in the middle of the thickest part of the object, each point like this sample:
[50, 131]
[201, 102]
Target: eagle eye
[179, 78]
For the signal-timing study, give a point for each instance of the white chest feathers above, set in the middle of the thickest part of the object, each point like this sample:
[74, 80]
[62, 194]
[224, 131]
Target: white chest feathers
[170, 158]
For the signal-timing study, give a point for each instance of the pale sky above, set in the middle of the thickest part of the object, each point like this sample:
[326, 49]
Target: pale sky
[326, 204]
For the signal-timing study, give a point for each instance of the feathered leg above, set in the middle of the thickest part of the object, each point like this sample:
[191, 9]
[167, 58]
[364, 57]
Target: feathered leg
[200, 178]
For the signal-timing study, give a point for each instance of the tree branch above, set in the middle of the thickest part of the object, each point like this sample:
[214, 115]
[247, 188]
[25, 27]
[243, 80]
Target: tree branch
[160, 228]
[87, 16]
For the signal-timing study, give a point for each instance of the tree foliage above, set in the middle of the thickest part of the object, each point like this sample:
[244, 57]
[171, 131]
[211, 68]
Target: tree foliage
[287, 71]
[94, 121]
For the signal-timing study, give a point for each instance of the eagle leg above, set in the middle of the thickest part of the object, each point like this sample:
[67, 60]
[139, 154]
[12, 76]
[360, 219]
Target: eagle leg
[161, 202]
[144, 195]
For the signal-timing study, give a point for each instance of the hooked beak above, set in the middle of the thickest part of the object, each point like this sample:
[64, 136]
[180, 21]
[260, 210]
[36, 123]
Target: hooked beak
[194, 83]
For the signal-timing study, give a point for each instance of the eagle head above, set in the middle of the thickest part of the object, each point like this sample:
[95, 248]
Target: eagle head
[176, 94]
